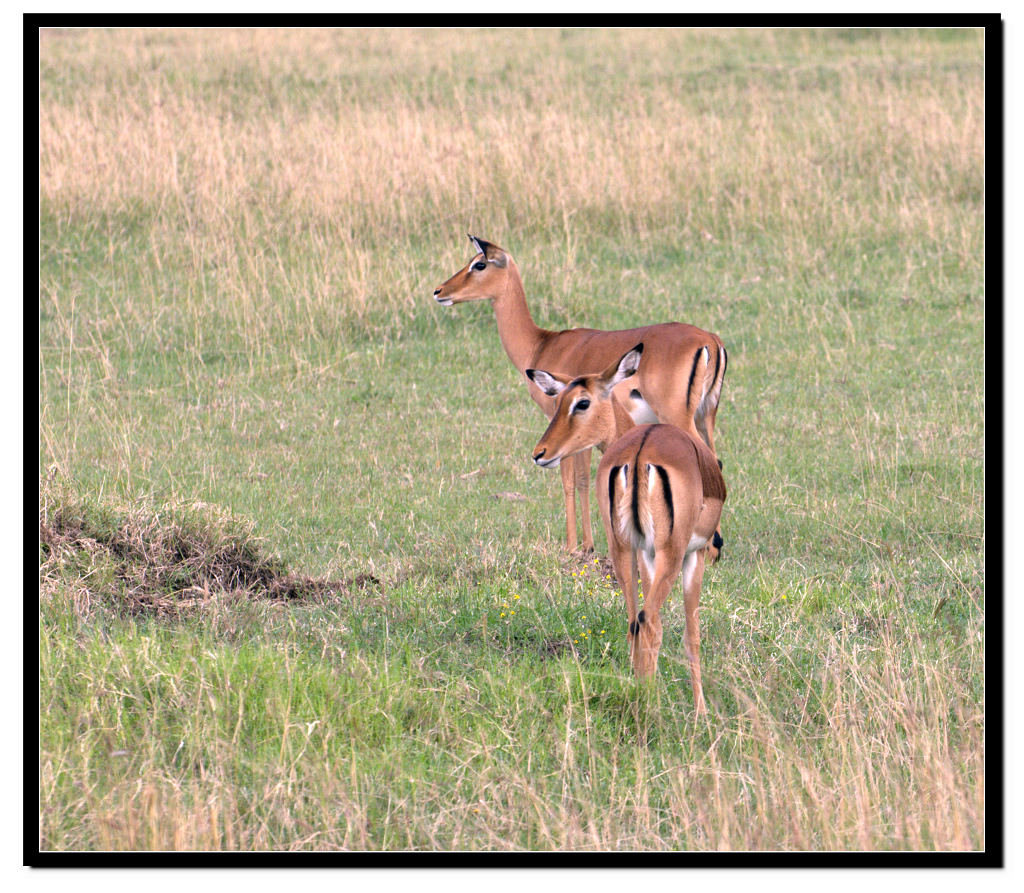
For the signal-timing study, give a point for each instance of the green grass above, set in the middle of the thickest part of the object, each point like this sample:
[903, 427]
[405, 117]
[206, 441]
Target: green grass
[239, 235]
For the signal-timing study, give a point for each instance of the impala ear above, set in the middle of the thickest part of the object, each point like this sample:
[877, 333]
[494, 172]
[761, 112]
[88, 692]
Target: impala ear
[623, 369]
[492, 253]
[546, 382]
[479, 245]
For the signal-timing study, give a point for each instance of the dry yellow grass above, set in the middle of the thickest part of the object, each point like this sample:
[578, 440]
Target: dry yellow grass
[244, 135]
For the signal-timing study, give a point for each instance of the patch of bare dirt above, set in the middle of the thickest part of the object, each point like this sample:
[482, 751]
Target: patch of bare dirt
[166, 561]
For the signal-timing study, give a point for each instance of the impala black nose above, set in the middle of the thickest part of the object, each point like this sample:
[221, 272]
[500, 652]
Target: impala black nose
[538, 456]
[437, 291]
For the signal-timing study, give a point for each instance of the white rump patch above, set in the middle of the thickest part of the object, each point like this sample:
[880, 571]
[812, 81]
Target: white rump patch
[640, 411]
[713, 396]
[622, 511]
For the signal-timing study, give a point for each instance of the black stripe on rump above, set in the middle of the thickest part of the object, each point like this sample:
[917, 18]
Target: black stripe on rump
[636, 480]
[667, 487]
[718, 362]
[611, 491]
[693, 371]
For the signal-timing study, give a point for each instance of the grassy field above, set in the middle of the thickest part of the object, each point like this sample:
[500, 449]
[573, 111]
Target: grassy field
[301, 587]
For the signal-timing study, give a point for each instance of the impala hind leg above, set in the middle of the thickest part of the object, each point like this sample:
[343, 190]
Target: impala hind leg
[581, 461]
[713, 550]
[704, 421]
[624, 563]
[703, 425]
[693, 577]
[657, 576]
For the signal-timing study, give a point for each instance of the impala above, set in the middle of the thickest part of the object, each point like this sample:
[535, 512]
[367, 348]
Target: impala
[660, 492]
[667, 389]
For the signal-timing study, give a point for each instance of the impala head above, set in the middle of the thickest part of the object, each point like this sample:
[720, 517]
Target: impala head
[584, 414]
[481, 279]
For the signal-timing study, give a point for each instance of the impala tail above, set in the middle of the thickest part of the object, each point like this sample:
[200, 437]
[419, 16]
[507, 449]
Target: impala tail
[697, 385]
[704, 400]
[631, 499]
[721, 364]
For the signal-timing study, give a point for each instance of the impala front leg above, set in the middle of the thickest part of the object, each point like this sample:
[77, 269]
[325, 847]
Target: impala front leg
[568, 471]
[582, 462]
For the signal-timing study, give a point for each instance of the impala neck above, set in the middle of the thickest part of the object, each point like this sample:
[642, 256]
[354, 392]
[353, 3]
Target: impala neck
[623, 420]
[520, 335]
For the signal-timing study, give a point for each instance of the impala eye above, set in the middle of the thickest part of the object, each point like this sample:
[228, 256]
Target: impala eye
[581, 405]
[479, 265]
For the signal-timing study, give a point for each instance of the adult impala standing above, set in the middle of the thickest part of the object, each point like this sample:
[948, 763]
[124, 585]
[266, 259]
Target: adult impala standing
[660, 491]
[663, 391]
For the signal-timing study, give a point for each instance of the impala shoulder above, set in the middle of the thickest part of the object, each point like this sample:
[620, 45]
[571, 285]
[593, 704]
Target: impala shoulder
[552, 351]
